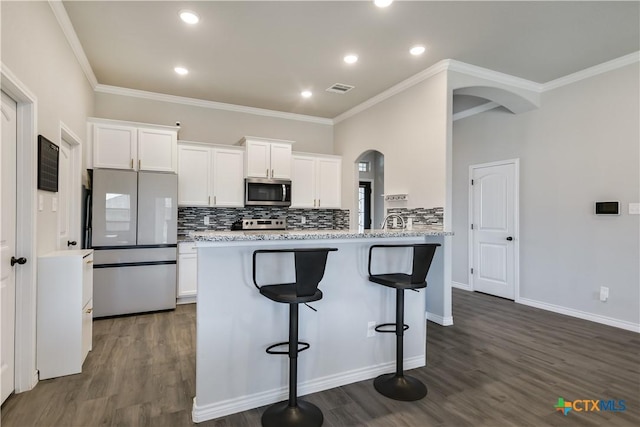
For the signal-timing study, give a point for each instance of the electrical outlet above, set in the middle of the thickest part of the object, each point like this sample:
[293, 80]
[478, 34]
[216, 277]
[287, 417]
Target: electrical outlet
[303, 220]
[395, 222]
[371, 329]
[604, 293]
[206, 220]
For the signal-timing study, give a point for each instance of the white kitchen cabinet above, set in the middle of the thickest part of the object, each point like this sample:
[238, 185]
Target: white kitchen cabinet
[187, 272]
[134, 146]
[210, 176]
[267, 158]
[316, 181]
[64, 307]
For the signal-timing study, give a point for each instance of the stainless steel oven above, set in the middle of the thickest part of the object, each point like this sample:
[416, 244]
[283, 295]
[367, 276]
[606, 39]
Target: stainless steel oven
[267, 192]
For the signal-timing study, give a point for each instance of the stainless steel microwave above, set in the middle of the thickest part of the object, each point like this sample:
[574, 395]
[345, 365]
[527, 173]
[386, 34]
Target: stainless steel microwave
[267, 192]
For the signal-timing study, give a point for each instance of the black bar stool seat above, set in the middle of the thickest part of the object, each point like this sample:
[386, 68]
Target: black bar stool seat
[309, 266]
[399, 386]
[286, 293]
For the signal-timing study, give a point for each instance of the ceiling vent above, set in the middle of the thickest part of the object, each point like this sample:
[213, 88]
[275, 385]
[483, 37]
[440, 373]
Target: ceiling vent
[340, 88]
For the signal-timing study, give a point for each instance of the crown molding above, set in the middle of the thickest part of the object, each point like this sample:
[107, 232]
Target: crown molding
[438, 67]
[493, 76]
[67, 28]
[154, 96]
[474, 110]
[614, 64]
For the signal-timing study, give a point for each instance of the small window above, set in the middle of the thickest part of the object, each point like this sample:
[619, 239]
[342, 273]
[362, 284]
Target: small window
[363, 167]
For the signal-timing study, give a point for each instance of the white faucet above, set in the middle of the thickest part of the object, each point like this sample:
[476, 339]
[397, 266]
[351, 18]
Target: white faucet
[386, 219]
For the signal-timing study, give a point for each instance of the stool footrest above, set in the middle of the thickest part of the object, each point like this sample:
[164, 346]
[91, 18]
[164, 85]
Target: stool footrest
[389, 331]
[302, 346]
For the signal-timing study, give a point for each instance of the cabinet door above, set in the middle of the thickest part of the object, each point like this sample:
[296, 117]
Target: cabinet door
[187, 275]
[303, 182]
[228, 173]
[157, 150]
[257, 156]
[280, 161]
[114, 147]
[194, 175]
[87, 278]
[329, 183]
[87, 328]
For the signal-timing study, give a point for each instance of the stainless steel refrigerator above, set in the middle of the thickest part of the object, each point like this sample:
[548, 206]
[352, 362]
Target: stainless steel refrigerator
[133, 234]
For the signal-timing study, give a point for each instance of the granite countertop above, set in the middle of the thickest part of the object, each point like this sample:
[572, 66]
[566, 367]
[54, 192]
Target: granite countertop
[230, 236]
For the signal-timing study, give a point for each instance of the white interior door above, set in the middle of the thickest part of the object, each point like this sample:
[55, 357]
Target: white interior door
[494, 223]
[8, 245]
[65, 185]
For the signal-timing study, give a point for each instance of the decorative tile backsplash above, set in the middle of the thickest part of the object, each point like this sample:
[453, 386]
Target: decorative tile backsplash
[420, 216]
[192, 218]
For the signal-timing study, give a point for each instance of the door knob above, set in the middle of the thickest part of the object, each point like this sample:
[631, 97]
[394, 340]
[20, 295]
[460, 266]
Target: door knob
[71, 243]
[509, 238]
[21, 260]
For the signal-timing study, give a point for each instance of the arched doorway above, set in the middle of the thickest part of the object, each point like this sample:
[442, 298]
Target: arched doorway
[370, 189]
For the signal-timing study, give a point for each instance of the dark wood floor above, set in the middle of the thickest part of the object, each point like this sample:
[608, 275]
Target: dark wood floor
[501, 364]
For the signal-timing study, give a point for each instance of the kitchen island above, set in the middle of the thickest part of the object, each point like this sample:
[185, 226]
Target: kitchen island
[235, 324]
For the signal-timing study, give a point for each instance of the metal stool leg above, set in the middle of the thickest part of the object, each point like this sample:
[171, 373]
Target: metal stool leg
[293, 412]
[399, 386]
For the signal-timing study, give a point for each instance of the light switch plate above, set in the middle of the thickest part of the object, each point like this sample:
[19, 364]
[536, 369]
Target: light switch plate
[54, 204]
[634, 208]
[40, 202]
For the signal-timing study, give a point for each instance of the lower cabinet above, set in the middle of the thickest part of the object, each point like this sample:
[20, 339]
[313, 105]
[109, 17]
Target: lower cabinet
[187, 272]
[64, 312]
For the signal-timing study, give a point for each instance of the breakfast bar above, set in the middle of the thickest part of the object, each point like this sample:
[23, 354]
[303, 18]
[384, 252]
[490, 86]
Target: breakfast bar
[235, 324]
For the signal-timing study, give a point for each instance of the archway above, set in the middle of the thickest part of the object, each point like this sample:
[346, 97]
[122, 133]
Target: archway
[369, 168]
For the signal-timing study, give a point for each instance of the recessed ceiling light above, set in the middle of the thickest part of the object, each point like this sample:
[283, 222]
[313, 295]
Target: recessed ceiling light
[306, 93]
[417, 50]
[181, 70]
[382, 3]
[350, 59]
[189, 17]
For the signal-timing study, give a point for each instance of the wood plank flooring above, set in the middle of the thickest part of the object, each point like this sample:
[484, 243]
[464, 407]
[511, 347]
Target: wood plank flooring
[501, 364]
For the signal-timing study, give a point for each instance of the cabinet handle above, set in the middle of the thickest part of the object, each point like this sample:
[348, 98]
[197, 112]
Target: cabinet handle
[318, 202]
[139, 164]
[131, 163]
[314, 203]
[209, 200]
[271, 173]
[267, 173]
[214, 200]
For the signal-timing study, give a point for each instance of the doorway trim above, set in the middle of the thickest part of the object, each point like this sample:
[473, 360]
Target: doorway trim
[26, 375]
[75, 144]
[516, 222]
[371, 198]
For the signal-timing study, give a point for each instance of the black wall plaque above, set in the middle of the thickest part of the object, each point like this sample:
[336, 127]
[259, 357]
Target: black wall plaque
[48, 154]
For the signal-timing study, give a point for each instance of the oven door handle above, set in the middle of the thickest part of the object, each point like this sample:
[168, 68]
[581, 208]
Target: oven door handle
[284, 192]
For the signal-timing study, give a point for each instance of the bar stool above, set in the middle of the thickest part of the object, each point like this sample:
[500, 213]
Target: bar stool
[399, 386]
[309, 267]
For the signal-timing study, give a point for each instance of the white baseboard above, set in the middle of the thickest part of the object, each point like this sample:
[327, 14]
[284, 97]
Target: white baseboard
[622, 324]
[462, 286]
[244, 403]
[440, 320]
[186, 300]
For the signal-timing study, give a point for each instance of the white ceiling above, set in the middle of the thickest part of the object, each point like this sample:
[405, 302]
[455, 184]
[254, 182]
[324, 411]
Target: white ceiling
[264, 53]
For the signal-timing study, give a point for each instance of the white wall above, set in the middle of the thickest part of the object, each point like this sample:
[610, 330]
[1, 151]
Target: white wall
[410, 130]
[216, 126]
[582, 145]
[37, 53]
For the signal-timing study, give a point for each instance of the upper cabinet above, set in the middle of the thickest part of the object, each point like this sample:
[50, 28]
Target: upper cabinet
[267, 158]
[316, 181]
[134, 146]
[210, 175]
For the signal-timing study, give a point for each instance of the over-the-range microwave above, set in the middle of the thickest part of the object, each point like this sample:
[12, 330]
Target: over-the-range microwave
[267, 192]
